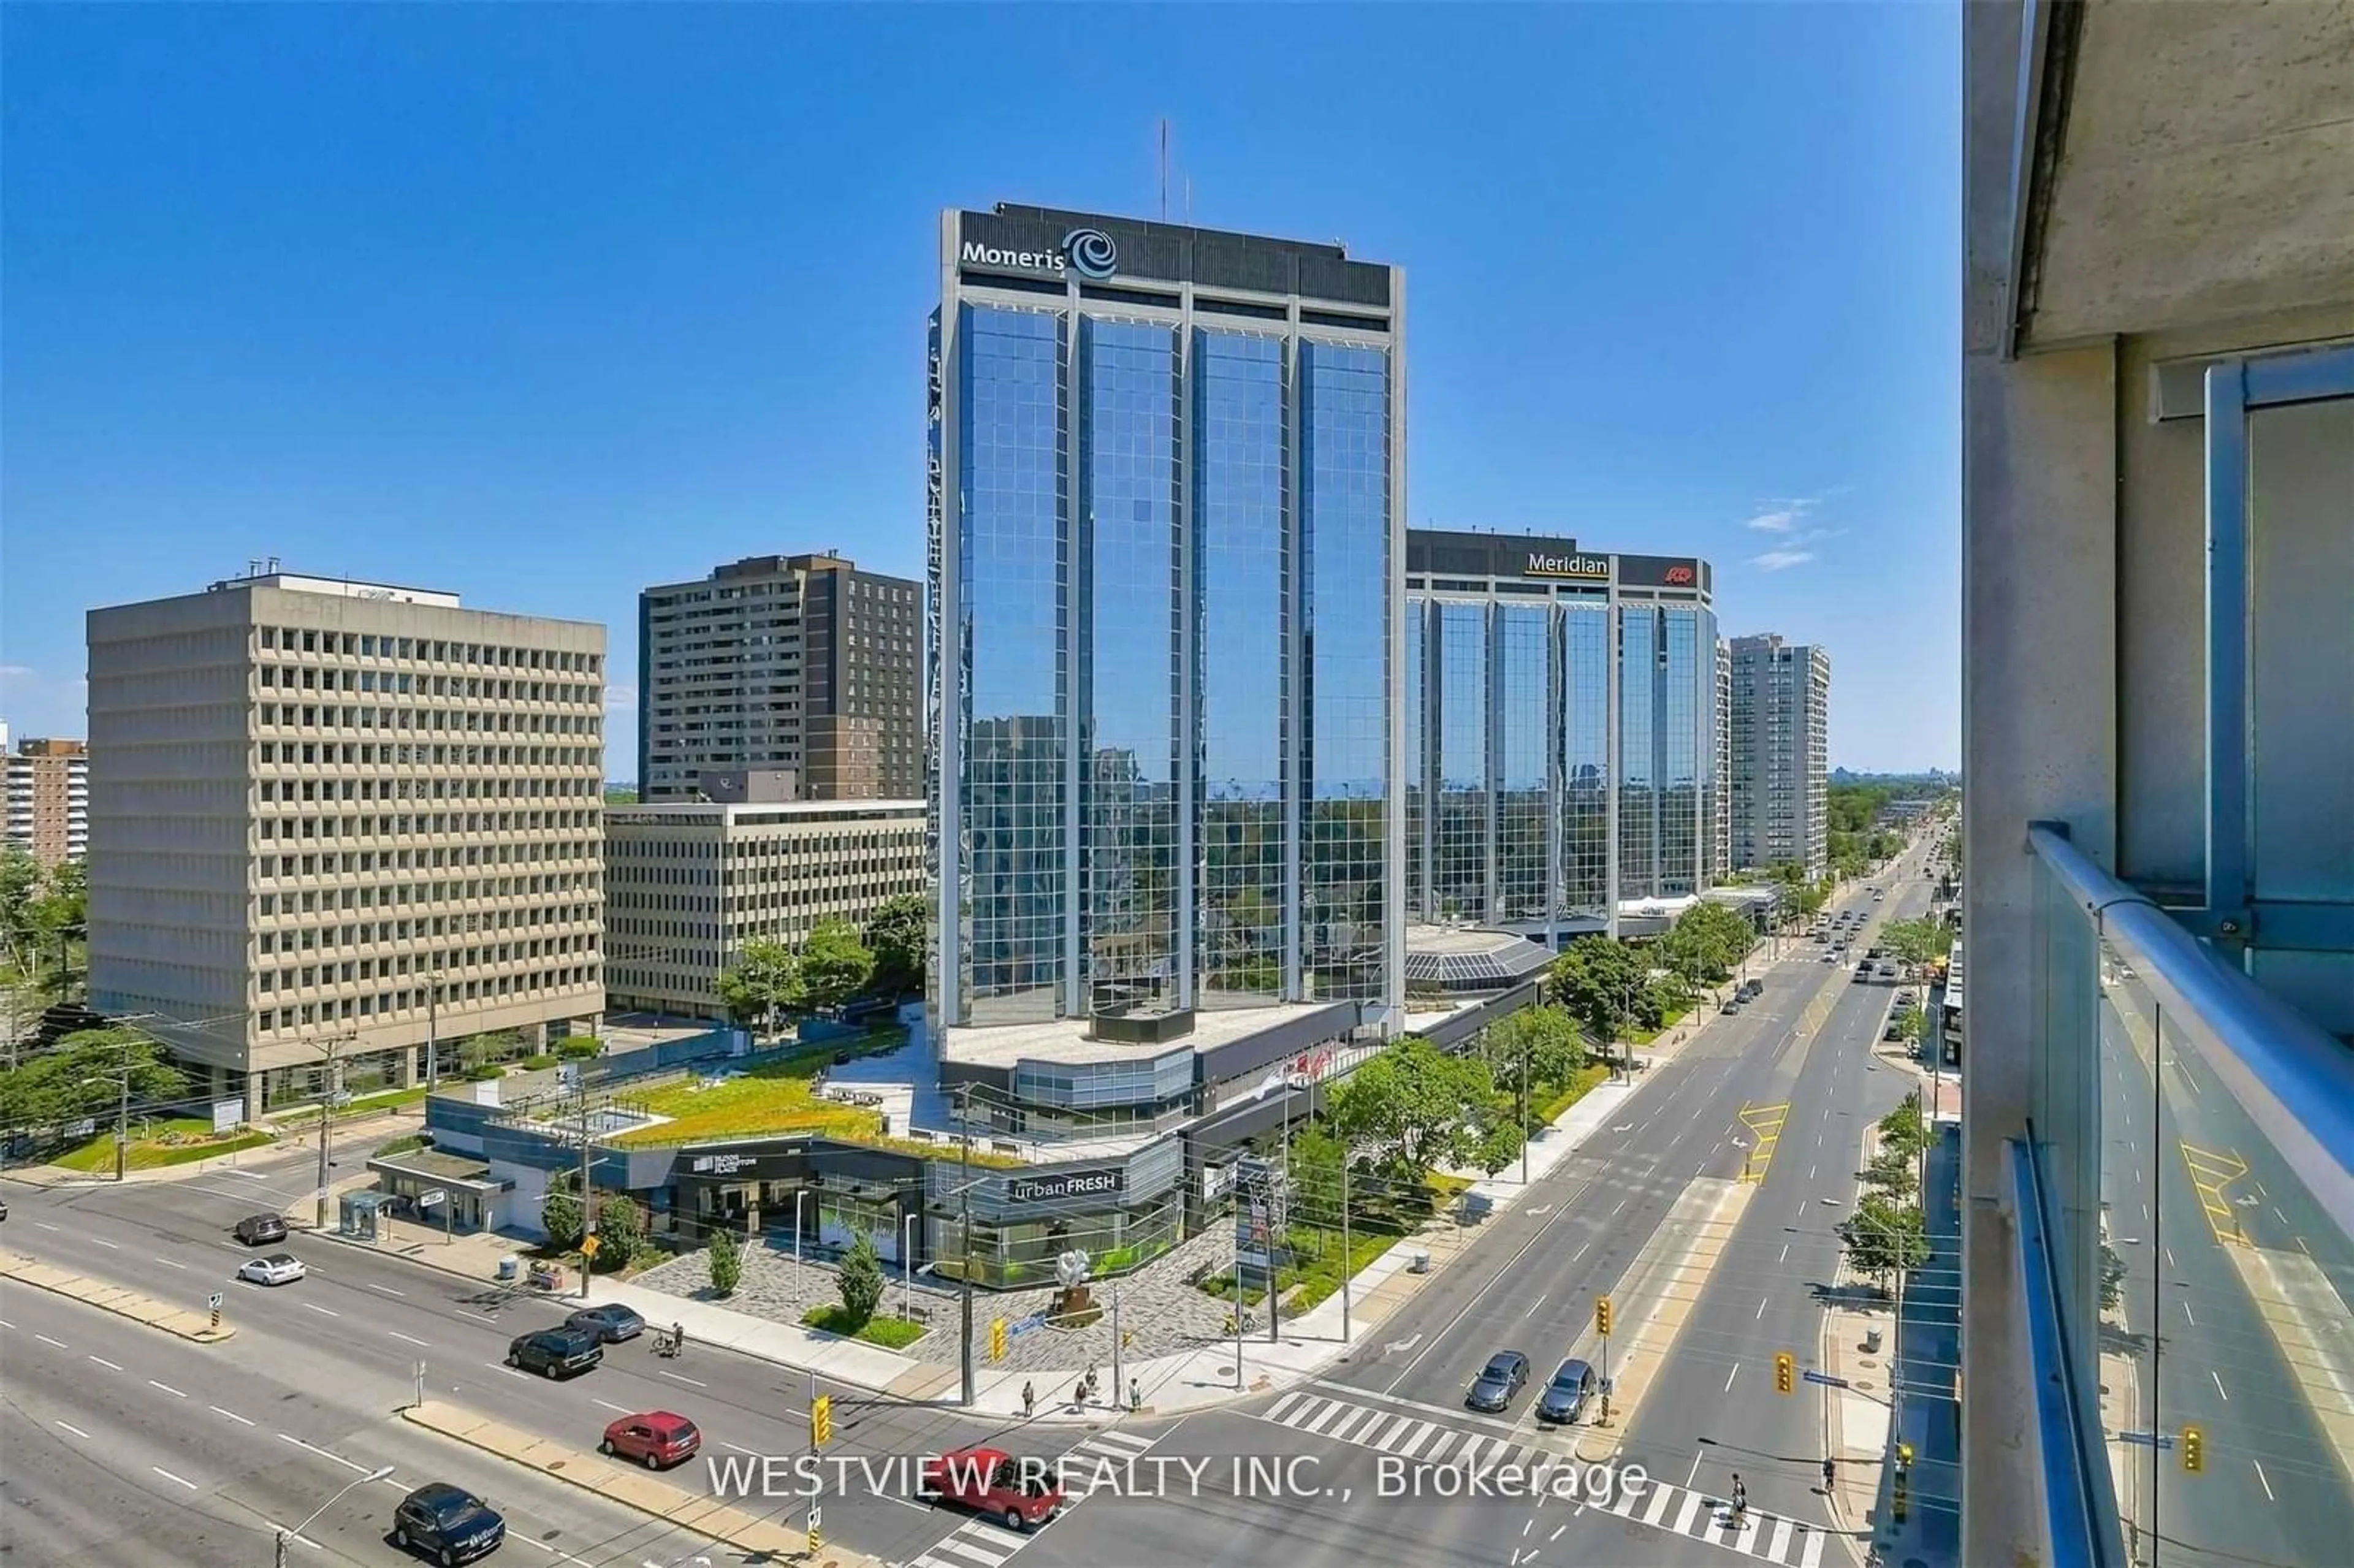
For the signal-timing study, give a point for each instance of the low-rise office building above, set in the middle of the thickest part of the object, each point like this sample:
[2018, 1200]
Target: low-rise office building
[689, 882]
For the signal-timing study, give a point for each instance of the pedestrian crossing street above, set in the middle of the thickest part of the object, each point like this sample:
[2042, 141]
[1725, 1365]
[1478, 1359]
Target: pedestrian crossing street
[1661, 1505]
[985, 1543]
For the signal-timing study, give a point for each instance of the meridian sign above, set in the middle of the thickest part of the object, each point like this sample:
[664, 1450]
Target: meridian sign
[1089, 253]
[1550, 563]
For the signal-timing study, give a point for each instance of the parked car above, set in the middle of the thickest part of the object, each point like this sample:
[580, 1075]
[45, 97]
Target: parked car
[1498, 1382]
[4, 1208]
[1564, 1397]
[655, 1438]
[611, 1323]
[449, 1524]
[278, 1268]
[259, 1230]
[1895, 1030]
[556, 1352]
[993, 1481]
[1731, 1006]
[1751, 990]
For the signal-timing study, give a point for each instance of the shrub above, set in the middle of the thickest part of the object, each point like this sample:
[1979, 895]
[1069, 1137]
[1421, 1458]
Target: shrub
[560, 1216]
[572, 1048]
[726, 1263]
[483, 1072]
[537, 1064]
[860, 1278]
[620, 1232]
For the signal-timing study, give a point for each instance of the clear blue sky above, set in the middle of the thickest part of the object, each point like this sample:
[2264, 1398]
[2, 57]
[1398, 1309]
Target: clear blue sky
[544, 303]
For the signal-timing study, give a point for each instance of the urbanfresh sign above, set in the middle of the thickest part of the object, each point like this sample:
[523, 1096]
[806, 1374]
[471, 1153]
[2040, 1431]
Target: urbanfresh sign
[1070, 1184]
[1089, 253]
[1545, 563]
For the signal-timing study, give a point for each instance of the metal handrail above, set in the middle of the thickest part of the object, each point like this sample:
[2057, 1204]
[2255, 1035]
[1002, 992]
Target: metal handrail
[2295, 1079]
[2074, 1475]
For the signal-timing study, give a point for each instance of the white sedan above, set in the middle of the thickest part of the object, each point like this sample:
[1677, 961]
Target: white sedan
[278, 1268]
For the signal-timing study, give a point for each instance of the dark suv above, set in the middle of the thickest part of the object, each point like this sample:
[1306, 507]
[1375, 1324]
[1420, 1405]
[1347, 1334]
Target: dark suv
[449, 1524]
[556, 1352]
[260, 1230]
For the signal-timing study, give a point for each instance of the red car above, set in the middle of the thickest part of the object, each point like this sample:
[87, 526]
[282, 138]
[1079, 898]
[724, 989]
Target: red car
[993, 1481]
[656, 1439]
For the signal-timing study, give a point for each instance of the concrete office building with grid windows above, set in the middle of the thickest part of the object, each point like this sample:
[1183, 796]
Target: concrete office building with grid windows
[334, 818]
[688, 882]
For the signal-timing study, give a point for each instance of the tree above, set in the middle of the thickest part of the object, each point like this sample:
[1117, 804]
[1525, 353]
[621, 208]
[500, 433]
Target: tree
[81, 1076]
[559, 1214]
[835, 965]
[1884, 1239]
[859, 1276]
[1917, 941]
[2113, 1278]
[1893, 1173]
[896, 934]
[1905, 1127]
[1602, 983]
[1706, 942]
[765, 980]
[726, 1261]
[620, 1231]
[1546, 1036]
[1415, 1107]
[20, 884]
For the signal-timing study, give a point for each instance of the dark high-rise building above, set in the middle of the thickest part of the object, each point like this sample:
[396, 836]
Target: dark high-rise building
[782, 662]
[1166, 522]
[1562, 725]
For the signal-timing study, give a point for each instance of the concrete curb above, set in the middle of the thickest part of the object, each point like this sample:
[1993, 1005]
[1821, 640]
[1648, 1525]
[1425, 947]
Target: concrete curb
[643, 1491]
[178, 1321]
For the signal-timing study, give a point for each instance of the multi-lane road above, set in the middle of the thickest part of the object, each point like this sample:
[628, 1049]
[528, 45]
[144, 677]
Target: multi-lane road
[129, 1447]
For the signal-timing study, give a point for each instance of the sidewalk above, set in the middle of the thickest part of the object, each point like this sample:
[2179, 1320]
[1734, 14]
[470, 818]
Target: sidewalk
[1194, 1379]
[362, 1132]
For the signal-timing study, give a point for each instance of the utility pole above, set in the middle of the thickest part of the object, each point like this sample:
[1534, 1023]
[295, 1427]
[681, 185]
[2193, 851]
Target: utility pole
[335, 1050]
[964, 1225]
[433, 1030]
[122, 1125]
[1348, 1253]
[1524, 1120]
[587, 1199]
[1279, 1189]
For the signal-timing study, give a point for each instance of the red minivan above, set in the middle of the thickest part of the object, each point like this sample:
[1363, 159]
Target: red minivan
[656, 1439]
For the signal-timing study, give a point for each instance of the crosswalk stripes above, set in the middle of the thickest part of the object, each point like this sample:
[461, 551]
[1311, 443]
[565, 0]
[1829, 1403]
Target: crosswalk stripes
[1660, 1505]
[985, 1543]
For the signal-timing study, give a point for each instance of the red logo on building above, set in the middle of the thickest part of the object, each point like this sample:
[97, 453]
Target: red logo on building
[1678, 576]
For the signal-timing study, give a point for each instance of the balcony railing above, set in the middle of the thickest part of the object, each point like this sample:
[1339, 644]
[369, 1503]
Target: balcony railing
[2187, 1220]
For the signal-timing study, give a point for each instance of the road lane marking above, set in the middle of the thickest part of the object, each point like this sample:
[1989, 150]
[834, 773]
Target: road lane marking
[167, 1388]
[1761, 1305]
[338, 1458]
[2218, 1383]
[111, 1366]
[46, 1339]
[1535, 1305]
[77, 1431]
[387, 1289]
[232, 1415]
[46, 1227]
[410, 1338]
[620, 1409]
[110, 1246]
[323, 1311]
[1729, 1376]
[1786, 1254]
[739, 1448]
[2186, 1312]
[169, 1476]
[2264, 1483]
[167, 1262]
[688, 1380]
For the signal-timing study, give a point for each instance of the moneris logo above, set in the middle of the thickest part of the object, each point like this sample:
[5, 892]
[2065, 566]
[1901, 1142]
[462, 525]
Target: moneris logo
[1089, 253]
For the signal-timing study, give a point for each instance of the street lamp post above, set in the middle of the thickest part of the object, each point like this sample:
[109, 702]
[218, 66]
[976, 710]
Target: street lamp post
[120, 1078]
[907, 1265]
[285, 1536]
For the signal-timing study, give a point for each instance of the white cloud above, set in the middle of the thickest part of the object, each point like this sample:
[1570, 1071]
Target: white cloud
[16, 671]
[1781, 560]
[1783, 516]
[621, 696]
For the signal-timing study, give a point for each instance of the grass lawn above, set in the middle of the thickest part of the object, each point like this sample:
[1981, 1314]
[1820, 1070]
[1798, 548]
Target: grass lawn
[1318, 1266]
[172, 1142]
[1549, 1110]
[891, 1333]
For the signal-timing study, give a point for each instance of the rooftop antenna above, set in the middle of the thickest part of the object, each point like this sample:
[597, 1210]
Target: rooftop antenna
[1164, 168]
[1189, 200]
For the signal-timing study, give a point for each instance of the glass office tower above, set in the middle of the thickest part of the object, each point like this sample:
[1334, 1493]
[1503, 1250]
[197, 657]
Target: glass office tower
[1165, 650]
[1563, 721]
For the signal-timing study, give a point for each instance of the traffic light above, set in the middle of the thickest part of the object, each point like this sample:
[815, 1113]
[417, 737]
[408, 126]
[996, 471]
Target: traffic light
[2194, 1450]
[1786, 1372]
[821, 1421]
[1602, 1314]
[997, 1340]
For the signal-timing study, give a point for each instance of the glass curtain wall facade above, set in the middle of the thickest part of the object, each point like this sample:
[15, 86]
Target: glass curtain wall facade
[1559, 762]
[1165, 555]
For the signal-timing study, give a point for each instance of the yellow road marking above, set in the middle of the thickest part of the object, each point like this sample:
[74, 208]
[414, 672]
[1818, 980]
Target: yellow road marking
[1765, 1124]
[2212, 1171]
